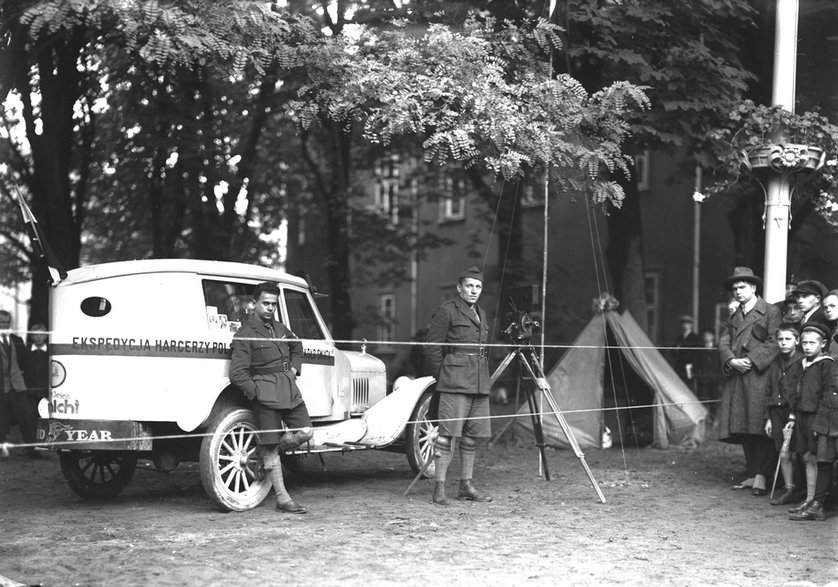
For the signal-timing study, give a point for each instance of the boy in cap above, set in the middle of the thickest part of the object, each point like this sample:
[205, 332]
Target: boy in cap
[815, 378]
[458, 360]
[809, 295]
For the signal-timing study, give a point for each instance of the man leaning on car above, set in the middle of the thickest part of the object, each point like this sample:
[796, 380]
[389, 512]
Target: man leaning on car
[267, 358]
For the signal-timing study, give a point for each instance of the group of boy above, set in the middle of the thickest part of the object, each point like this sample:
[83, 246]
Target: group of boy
[801, 414]
[24, 371]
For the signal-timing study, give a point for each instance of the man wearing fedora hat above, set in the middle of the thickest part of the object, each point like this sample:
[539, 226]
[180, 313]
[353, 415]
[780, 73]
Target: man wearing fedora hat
[457, 358]
[746, 350]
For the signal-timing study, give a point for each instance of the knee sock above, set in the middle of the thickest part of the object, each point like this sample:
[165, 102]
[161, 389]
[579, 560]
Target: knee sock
[823, 482]
[811, 479]
[279, 485]
[442, 458]
[467, 454]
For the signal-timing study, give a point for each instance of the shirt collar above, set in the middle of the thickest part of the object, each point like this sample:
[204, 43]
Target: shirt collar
[35, 347]
[749, 305]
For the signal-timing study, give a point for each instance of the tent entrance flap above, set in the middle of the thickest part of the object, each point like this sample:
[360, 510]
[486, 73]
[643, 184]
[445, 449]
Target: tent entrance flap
[577, 385]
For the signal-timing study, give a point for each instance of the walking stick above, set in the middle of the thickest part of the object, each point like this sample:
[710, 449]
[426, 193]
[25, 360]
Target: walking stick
[784, 450]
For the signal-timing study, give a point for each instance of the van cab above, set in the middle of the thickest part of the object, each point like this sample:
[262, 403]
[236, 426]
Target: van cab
[140, 354]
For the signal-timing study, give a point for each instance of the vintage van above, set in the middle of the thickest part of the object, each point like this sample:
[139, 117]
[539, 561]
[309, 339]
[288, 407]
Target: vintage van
[140, 352]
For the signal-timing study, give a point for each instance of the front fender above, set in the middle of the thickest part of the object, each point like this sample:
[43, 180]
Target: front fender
[387, 419]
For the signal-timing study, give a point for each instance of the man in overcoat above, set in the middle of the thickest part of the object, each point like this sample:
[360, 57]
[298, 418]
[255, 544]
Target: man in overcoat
[265, 363]
[746, 349]
[457, 358]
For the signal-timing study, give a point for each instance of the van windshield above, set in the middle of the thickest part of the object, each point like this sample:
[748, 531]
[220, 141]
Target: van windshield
[303, 321]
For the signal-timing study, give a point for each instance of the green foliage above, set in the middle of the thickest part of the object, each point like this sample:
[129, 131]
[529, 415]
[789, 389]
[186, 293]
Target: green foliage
[751, 126]
[462, 95]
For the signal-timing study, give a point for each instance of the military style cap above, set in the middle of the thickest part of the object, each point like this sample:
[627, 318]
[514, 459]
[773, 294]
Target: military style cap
[472, 272]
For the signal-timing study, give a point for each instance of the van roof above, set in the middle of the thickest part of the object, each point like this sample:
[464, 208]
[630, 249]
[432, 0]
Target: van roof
[202, 267]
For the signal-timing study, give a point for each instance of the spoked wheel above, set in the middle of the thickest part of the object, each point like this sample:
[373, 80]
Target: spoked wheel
[229, 462]
[420, 435]
[97, 474]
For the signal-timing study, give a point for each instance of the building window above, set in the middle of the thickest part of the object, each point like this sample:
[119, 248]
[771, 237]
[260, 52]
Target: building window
[387, 318]
[653, 303]
[641, 168]
[452, 200]
[387, 188]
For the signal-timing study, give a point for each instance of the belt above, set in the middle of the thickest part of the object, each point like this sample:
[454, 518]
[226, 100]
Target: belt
[280, 368]
[482, 353]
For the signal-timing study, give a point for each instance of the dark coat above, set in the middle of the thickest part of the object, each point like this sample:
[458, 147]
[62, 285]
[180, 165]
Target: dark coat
[743, 395]
[782, 381]
[686, 351]
[461, 364]
[36, 373]
[260, 367]
[17, 353]
[826, 420]
[812, 381]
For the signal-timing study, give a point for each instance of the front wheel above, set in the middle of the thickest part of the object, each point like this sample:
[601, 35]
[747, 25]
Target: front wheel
[420, 436]
[97, 474]
[229, 462]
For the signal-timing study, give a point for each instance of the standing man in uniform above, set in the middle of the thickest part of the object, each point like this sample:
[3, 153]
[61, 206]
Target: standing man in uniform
[265, 364]
[457, 358]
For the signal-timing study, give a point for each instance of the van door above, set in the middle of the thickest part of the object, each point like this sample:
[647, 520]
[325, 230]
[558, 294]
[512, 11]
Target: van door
[317, 380]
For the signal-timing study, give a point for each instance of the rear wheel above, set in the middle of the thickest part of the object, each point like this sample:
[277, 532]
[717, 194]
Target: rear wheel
[229, 462]
[420, 435]
[97, 474]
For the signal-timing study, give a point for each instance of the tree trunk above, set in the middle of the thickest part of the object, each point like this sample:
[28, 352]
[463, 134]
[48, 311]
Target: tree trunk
[626, 256]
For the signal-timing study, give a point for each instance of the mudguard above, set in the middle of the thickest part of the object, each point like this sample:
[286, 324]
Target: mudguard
[387, 419]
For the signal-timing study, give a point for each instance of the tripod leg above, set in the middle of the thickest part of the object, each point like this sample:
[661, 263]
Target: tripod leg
[538, 432]
[545, 388]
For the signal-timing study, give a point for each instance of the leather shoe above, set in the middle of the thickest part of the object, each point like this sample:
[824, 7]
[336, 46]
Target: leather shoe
[439, 494]
[759, 492]
[785, 498]
[800, 507]
[813, 513]
[291, 507]
[746, 484]
[468, 492]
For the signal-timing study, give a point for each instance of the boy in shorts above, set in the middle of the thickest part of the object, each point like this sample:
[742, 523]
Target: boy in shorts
[780, 394]
[816, 376]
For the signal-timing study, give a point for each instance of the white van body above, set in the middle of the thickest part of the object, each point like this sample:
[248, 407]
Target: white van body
[140, 353]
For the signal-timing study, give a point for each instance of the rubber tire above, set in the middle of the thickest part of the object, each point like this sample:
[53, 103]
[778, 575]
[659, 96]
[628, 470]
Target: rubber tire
[97, 474]
[419, 436]
[228, 462]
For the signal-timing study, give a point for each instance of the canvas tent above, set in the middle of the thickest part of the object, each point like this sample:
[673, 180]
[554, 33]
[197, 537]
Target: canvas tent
[577, 384]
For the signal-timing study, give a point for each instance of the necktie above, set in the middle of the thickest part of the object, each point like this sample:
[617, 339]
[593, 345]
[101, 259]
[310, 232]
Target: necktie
[270, 327]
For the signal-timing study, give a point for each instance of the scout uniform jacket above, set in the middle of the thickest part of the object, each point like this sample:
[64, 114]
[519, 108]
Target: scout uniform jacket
[261, 367]
[812, 381]
[782, 382]
[458, 360]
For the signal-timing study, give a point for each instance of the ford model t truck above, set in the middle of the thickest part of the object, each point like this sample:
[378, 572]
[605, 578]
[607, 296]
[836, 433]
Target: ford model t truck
[140, 353]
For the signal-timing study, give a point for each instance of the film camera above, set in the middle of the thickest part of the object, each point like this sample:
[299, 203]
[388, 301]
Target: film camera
[520, 316]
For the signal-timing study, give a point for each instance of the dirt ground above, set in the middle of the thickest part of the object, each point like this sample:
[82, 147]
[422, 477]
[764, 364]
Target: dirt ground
[670, 519]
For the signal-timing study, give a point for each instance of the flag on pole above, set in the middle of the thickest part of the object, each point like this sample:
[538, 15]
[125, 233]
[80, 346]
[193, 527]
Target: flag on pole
[39, 242]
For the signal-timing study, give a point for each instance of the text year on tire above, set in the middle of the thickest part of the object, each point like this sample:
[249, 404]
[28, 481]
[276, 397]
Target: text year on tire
[229, 463]
[97, 474]
[419, 437]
